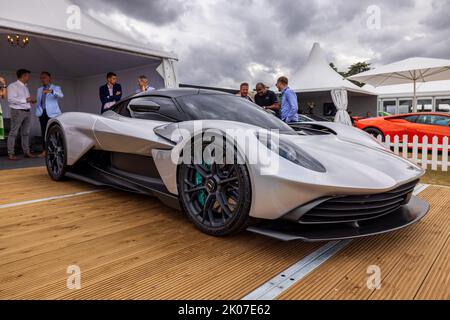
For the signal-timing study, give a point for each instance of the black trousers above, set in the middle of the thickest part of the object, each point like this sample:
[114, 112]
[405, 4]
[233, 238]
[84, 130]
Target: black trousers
[43, 120]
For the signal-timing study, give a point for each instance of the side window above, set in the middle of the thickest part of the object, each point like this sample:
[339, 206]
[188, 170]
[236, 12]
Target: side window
[412, 119]
[440, 121]
[166, 111]
[424, 120]
[434, 120]
[121, 108]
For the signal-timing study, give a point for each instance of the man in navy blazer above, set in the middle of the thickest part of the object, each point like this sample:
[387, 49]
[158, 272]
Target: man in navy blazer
[47, 106]
[110, 93]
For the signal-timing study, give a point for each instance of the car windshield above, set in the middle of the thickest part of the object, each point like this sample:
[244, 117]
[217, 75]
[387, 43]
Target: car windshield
[231, 108]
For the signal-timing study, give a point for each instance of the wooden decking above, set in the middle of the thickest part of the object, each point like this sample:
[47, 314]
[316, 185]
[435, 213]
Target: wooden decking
[414, 262]
[133, 247]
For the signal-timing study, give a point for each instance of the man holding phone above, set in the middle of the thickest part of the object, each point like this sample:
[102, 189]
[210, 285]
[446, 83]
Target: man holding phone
[20, 104]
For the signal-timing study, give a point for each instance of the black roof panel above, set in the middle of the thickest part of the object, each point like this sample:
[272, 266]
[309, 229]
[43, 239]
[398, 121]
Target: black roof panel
[175, 93]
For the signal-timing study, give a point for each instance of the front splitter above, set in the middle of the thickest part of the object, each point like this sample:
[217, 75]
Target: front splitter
[283, 230]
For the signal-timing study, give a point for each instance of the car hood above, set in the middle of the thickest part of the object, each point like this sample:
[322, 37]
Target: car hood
[358, 165]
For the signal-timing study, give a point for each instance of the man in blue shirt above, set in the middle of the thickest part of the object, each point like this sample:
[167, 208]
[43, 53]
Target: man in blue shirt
[289, 102]
[144, 85]
[47, 104]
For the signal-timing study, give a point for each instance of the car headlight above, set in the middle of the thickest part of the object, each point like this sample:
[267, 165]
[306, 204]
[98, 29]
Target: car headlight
[290, 151]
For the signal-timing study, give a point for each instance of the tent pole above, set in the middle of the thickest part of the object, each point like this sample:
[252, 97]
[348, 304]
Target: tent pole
[415, 97]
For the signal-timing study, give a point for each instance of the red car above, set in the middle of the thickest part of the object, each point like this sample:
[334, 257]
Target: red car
[422, 124]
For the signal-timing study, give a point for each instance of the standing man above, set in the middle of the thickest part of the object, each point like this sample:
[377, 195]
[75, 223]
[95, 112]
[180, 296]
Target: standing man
[267, 99]
[144, 85]
[20, 104]
[111, 92]
[47, 104]
[243, 92]
[2, 96]
[289, 102]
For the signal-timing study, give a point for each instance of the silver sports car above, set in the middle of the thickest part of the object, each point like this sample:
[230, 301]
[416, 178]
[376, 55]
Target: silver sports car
[230, 166]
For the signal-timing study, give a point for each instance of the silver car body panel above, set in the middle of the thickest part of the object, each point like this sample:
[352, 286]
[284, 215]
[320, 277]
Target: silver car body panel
[355, 163]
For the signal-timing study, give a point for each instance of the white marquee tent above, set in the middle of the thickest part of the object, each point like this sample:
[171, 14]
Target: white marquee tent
[409, 71]
[315, 81]
[431, 88]
[78, 58]
[432, 96]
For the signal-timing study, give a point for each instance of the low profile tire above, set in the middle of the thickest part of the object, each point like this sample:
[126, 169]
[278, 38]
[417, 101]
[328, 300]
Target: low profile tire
[56, 158]
[375, 132]
[216, 197]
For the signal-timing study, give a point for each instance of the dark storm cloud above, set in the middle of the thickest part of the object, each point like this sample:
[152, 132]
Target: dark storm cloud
[212, 64]
[293, 17]
[440, 17]
[157, 12]
[395, 42]
[277, 35]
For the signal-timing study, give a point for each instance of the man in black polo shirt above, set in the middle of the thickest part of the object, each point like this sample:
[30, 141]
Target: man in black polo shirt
[267, 99]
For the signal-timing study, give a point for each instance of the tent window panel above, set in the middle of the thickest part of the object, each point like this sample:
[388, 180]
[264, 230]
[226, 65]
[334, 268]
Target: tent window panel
[405, 106]
[443, 105]
[390, 106]
[424, 105]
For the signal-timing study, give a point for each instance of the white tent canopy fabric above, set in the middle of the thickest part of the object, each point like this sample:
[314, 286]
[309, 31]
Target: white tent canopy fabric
[340, 100]
[411, 71]
[59, 19]
[77, 58]
[423, 89]
[317, 75]
[406, 71]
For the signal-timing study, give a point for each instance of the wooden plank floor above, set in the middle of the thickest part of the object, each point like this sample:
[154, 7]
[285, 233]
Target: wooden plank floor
[30, 184]
[133, 247]
[127, 246]
[414, 262]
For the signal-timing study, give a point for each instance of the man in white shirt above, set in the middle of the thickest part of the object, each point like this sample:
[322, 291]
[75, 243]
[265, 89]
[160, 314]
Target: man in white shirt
[20, 104]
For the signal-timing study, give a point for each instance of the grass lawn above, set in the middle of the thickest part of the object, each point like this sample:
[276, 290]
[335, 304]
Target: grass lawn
[434, 177]
[437, 177]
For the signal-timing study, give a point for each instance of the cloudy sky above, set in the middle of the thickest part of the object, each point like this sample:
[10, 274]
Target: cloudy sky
[223, 42]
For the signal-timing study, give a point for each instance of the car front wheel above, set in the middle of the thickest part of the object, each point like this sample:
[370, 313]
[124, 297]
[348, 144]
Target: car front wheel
[56, 157]
[375, 133]
[216, 197]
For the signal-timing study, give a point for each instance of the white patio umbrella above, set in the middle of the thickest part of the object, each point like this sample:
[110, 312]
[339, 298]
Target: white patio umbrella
[411, 70]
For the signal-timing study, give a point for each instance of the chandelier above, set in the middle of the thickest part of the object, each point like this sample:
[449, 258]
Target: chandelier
[18, 41]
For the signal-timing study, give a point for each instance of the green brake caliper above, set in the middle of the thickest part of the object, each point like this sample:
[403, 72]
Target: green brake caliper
[199, 181]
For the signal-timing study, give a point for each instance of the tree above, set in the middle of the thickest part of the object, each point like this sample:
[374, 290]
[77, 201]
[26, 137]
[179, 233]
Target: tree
[352, 70]
[336, 69]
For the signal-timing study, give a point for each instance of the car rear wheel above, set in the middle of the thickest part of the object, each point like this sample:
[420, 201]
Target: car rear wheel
[56, 157]
[375, 132]
[215, 197]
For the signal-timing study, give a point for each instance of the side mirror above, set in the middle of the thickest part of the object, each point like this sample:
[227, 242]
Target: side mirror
[144, 106]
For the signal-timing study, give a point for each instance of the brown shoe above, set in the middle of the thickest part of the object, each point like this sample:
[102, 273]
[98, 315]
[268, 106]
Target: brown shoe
[12, 157]
[42, 155]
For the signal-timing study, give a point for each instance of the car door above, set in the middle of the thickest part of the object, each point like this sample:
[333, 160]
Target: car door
[155, 108]
[130, 127]
[433, 125]
[401, 126]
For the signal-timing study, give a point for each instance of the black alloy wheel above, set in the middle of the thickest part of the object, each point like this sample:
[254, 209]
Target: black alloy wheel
[56, 157]
[375, 133]
[216, 197]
